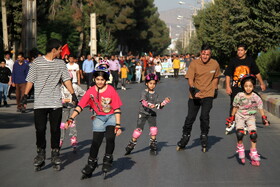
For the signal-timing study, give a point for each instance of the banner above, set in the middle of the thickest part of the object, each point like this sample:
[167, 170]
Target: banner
[168, 70]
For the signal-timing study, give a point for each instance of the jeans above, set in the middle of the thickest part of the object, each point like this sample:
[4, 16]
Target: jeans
[41, 117]
[3, 91]
[193, 108]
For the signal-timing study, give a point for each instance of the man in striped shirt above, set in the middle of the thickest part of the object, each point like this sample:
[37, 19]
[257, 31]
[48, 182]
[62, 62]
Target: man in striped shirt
[46, 74]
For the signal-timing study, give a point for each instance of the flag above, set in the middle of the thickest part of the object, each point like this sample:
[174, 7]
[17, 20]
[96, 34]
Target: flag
[150, 54]
[65, 51]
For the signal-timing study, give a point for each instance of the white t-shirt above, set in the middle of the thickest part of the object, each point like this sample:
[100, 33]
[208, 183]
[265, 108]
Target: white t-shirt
[73, 69]
[138, 68]
[10, 64]
[158, 68]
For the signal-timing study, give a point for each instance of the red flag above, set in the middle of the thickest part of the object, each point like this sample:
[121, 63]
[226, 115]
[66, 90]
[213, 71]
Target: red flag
[65, 51]
[150, 54]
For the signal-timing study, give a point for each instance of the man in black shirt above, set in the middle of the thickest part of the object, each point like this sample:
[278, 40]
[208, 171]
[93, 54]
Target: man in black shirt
[237, 68]
[5, 81]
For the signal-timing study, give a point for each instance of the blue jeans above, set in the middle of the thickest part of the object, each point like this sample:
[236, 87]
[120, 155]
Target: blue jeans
[100, 122]
[3, 91]
[193, 108]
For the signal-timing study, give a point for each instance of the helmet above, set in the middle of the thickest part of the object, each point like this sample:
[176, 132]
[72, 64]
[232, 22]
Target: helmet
[101, 71]
[104, 62]
[151, 76]
[246, 78]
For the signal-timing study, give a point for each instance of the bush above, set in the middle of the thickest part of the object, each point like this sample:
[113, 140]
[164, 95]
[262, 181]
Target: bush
[269, 62]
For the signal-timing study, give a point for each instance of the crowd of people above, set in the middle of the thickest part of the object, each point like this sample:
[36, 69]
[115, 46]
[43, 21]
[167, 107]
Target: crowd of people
[59, 81]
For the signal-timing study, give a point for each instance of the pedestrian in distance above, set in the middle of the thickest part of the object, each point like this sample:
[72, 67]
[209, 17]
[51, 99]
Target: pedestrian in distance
[239, 66]
[149, 101]
[106, 103]
[46, 74]
[203, 76]
[245, 106]
[5, 82]
[124, 72]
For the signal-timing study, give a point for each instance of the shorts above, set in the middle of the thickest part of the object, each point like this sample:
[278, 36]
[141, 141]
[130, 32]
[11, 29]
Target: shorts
[100, 122]
[142, 118]
[249, 121]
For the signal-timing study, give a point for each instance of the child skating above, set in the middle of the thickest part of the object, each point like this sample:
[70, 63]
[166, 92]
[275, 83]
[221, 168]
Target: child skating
[106, 103]
[67, 109]
[245, 105]
[149, 102]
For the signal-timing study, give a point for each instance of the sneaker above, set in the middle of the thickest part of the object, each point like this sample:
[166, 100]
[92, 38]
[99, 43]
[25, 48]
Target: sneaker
[6, 104]
[23, 110]
[18, 110]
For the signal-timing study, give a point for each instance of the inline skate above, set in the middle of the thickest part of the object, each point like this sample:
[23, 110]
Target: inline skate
[39, 160]
[204, 141]
[183, 142]
[241, 152]
[74, 143]
[130, 147]
[107, 164]
[55, 160]
[89, 168]
[153, 146]
[255, 157]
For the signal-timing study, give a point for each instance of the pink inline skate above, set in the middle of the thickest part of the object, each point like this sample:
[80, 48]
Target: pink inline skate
[241, 152]
[255, 157]
[74, 143]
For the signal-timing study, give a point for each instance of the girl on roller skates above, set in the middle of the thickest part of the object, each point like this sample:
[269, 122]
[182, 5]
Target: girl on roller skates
[106, 103]
[149, 102]
[67, 109]
[245, 105]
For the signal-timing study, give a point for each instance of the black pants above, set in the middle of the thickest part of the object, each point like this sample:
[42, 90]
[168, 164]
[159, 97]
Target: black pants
[115, 81]
[97, 140]
[89, 77]
[158, 75]
[176, 73]
[193, 108]
[41, 117]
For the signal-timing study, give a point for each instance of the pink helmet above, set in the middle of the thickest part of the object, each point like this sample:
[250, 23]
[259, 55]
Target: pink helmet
[151, 76]
[104, 62]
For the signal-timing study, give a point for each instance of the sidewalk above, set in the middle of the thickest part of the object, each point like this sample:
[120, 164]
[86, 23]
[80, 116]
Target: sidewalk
[271, 98]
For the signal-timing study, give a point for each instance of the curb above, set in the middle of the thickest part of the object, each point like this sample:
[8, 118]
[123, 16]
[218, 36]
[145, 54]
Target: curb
[270, 97]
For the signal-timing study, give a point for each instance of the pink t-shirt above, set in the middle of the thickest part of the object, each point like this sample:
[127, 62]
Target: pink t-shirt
[102, 103]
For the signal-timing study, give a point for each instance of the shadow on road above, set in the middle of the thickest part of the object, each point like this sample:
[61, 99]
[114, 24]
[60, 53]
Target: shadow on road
[6, 147]
[124, 163]
[212, 140]
[9, 121]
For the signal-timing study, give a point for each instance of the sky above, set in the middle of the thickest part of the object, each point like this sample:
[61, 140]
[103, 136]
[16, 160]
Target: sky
[170, 4]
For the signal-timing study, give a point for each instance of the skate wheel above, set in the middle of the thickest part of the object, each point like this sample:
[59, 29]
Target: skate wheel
[226, 132]
[178, 148]
[84, 177]
[56, 167]
[153, 152]
[243, 160]
[255, 163]
[204, 150]
[37, 168]
[104, 175]
[74, 150]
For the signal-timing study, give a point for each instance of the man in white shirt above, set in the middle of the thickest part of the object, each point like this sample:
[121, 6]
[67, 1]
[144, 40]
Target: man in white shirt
[9, 61]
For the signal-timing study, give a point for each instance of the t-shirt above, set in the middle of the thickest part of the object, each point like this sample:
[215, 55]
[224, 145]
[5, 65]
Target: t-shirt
[152, 98]
[73, 69]
[203, 75]
[176, 64]
[9, 64]
[138, 69]
[237, 68]
[102, 103]
[158, 68]
[247, 106]
[46, 76]
[124, 71]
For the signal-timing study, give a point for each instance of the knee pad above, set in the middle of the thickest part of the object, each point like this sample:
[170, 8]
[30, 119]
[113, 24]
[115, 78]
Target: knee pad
[239, 134]
[253, 136]
[153, 131]
[62, 125]
[137, 133]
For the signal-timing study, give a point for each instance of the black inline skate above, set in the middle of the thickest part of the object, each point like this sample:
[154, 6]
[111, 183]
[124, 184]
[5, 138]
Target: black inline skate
[153, 146]
[89, 168]
[39, 160]
[183, 142]
[107, 164]
[204, 141]
[130, 147]
[55, 160]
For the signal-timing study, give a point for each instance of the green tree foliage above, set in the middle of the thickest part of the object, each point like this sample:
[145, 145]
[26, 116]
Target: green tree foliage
[122, 25]
[226, 24]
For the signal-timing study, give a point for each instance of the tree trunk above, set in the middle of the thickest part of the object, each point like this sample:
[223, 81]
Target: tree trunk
[4, 24]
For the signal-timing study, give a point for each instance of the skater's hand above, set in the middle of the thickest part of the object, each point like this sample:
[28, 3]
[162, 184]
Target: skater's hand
[118, 130]
[229, 121]
[68, 123]
[165, 101]
[228, 90]
[74, 99]
[265, 121]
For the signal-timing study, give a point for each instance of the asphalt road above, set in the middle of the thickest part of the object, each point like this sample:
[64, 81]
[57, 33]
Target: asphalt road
[190, 167]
